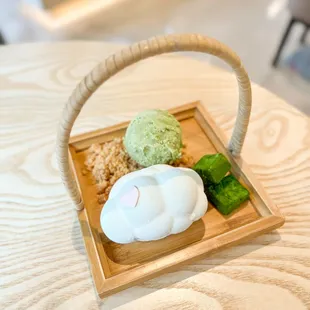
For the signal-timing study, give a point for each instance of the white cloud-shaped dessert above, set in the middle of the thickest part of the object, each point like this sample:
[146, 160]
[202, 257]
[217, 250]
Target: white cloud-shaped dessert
[153, 203]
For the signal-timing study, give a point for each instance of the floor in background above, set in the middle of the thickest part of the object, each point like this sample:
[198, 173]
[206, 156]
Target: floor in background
[252, 28]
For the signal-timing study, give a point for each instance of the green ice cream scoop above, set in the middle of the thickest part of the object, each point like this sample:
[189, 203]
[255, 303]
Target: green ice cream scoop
[154, 137]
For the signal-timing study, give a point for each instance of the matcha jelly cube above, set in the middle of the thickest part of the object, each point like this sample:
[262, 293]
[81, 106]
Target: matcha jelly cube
[227, 195]
[212, 168]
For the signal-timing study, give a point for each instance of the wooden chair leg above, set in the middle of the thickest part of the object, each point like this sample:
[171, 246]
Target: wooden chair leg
[283, 41]
[304, 35]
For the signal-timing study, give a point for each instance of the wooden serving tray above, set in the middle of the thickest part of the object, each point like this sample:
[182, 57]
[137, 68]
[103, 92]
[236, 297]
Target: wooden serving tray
[118, 266]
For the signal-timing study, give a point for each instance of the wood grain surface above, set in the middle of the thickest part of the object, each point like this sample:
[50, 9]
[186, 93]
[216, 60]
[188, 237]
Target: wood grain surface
[43, 263]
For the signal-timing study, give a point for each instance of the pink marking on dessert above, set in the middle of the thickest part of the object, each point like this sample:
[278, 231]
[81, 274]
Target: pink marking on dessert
[131, 197]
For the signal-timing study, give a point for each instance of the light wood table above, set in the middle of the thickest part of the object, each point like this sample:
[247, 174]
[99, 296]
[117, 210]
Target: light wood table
[43, 264]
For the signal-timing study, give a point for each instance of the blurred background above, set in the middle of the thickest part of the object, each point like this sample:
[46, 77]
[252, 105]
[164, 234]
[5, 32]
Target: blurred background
[270, 36]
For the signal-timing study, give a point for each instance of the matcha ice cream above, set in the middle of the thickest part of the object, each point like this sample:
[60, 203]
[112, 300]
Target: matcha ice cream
[154, 137]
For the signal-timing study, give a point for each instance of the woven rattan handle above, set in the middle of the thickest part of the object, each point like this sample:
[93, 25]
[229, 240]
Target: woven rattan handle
[127, 57]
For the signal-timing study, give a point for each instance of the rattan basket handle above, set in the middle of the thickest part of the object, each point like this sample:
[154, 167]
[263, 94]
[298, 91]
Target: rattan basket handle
[127, 57]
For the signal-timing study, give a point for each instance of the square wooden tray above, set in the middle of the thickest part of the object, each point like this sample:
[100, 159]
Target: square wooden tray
[118, 266]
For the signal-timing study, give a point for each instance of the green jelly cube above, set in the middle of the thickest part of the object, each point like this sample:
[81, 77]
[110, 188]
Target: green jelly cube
[212, 168]
[227, 195]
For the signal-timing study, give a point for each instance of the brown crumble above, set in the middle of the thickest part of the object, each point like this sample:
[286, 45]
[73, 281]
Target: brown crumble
[109, 162]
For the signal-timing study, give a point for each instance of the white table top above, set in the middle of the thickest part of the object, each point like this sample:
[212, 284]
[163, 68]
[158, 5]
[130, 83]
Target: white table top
[43, 263]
